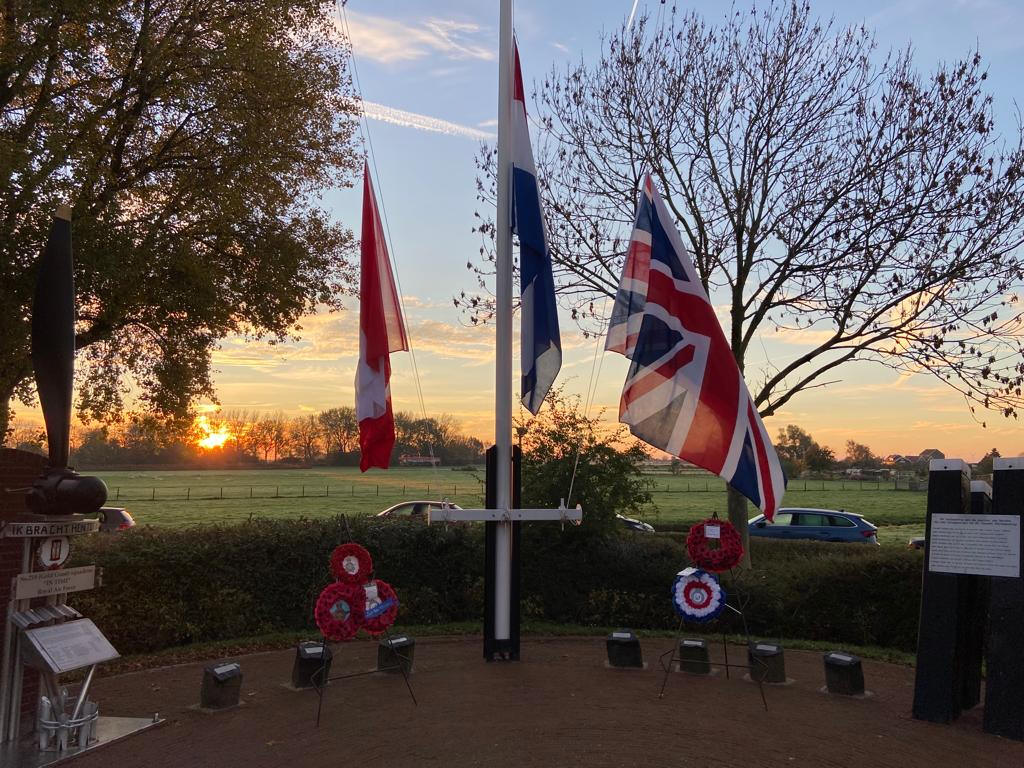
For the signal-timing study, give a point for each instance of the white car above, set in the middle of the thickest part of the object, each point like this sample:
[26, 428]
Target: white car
[413, 510]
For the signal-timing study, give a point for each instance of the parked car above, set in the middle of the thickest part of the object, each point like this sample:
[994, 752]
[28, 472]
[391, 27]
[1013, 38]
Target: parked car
[816, 524]
[414, 510]
[114, 519]
[635, 525]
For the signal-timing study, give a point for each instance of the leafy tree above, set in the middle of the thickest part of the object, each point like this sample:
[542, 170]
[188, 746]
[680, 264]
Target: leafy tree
[825, 193]
[191, 139]
[564, 448]
[858, 455]
[799, 452]
[984, 467]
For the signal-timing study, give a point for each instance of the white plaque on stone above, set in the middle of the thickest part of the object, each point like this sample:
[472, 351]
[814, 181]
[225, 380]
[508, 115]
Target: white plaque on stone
[985, 545]
[46, 583]
[71, 645]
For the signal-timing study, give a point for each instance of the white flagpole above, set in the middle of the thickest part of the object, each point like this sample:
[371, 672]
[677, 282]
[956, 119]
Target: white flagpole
[503, 362]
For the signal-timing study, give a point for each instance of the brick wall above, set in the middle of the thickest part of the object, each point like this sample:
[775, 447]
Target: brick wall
[17, 470]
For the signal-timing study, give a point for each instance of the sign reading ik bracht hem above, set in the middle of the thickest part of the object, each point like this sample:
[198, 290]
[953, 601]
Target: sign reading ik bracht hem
[72, 645]
[47, 528]
[46, 583]
[984, 545]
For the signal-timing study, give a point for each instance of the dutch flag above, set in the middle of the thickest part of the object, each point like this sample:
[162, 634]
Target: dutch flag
[541, 344]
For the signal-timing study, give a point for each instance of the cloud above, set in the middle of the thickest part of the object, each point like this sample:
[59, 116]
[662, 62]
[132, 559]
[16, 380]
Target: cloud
[389, 41]
[422, 122]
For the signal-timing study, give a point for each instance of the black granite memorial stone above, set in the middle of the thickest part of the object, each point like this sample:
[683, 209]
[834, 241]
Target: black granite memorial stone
[939, 675]
[1004, 684]
[977, 611]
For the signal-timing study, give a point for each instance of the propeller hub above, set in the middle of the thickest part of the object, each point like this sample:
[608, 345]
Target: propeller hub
[65, 492]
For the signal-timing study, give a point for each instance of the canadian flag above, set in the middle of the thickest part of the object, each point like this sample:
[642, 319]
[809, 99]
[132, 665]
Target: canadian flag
[381, 332]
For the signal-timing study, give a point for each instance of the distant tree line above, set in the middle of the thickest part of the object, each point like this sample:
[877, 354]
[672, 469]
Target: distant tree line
[330, 437]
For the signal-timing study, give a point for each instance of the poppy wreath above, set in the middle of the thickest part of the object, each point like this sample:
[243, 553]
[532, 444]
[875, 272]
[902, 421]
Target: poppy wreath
[728, 553]
[697, 595]
[340, 611]
[381, 606]
[351, 563]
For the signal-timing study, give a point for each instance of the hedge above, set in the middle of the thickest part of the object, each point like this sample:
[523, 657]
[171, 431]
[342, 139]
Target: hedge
[168, 587]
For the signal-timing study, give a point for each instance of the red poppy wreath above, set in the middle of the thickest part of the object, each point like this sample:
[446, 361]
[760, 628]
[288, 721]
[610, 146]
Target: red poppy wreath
[702, 540]
[381, 607]
[340, 610]
[351, 563]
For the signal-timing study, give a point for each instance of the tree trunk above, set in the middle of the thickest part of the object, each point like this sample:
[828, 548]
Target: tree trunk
[5, 414]
[738, 518]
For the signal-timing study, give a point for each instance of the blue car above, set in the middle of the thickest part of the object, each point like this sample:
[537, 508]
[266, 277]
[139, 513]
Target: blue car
[815, 524]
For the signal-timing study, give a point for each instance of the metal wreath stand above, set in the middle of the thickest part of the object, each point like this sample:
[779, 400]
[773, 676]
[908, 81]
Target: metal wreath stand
[741, 600]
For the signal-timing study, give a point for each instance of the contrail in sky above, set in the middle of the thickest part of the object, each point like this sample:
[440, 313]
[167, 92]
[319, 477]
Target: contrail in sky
[421, 122]
[632, 13]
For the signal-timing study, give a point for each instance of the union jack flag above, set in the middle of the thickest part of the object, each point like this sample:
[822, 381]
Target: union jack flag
[684, 392]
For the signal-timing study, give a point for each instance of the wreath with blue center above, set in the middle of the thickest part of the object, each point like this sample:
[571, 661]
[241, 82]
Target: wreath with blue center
[697, 595]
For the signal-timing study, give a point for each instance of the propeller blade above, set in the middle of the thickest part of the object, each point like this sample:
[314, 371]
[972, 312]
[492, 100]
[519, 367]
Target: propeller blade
[53, 336]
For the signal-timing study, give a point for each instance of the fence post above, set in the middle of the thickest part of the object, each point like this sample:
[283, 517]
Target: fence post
[188, 494]
[353, 489]
[378, 489]
[277, 491]
[118, 494]
[328, 491]
[303, 493]
[250, 491]
[153, 498]
[222, 491]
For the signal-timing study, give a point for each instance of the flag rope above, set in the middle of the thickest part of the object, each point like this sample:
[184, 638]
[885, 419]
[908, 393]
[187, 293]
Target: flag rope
[367, 140]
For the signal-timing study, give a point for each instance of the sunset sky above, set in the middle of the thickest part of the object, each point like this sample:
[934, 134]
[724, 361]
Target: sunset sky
[428, 74]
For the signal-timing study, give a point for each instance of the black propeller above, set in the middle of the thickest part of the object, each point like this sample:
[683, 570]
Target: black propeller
[60, 490]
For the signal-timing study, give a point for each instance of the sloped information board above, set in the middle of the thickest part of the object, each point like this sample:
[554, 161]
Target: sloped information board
[72, 645]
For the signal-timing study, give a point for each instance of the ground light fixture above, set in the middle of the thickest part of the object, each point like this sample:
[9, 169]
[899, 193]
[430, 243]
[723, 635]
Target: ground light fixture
[222, 684]
[312, 664]
[395, 654]
[843, 674]
[767, 662]
[624, 649]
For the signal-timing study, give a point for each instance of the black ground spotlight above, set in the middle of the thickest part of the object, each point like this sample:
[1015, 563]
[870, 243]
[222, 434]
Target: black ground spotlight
[844, 674]
[222, 684]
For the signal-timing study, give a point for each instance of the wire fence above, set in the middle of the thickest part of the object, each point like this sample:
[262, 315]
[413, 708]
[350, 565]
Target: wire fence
[453, 490]
[217, 492]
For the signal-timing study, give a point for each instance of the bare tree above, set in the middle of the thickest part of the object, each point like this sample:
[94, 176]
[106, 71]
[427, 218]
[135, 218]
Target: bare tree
[824, 191]
[305, 434]
[340, 428]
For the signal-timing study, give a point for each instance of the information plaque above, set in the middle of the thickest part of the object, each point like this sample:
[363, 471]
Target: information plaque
[984, 545]
[46, 583]
[72, 645]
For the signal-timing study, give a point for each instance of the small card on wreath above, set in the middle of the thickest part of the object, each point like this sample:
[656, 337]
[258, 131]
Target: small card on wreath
[713, 531]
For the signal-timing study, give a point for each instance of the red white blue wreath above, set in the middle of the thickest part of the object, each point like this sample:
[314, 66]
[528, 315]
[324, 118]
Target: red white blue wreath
[339, 611]
[697, 595]
[351, 563]
[381, 606]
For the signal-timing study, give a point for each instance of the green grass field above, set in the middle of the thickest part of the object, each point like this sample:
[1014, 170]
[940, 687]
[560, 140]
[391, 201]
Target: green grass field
[190, 497]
